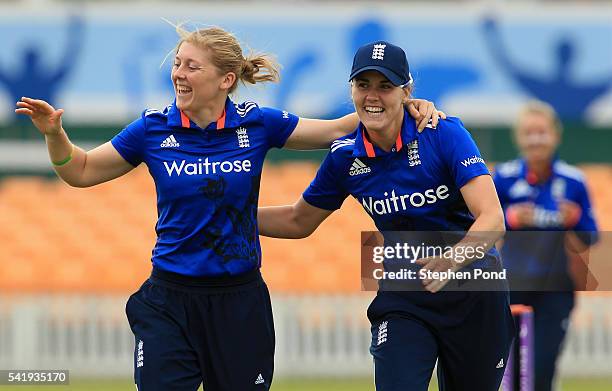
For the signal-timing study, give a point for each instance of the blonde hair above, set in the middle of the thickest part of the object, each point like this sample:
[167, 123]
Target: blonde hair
[542, 108]
[226, 55]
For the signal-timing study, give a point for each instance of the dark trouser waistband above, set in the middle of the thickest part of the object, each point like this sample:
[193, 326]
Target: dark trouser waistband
[205, 283]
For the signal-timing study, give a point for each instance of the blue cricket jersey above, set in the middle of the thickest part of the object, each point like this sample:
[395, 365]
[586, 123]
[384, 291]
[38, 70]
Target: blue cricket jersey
[531, 257]
[207, 183]
[414, 187]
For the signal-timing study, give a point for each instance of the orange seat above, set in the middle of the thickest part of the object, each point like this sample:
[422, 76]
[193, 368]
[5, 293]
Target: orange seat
[58, 238]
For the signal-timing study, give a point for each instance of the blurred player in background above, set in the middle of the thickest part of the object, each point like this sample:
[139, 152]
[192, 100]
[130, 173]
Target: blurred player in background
[204, 315]
[385, 160]
[545, 195]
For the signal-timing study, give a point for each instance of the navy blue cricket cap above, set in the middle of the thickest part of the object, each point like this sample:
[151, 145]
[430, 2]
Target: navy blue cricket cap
[386, 58]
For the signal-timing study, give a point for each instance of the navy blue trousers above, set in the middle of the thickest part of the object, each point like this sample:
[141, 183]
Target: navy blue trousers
[551, 313]
[220, 335]
[468, 333]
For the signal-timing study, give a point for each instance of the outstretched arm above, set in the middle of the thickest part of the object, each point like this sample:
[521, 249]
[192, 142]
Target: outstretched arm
[319, 134]
[75, 166]
[290, 221]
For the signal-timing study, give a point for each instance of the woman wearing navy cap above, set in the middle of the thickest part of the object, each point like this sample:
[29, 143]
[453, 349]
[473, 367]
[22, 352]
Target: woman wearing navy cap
[410, 181]
[204, 315]
[547, 197]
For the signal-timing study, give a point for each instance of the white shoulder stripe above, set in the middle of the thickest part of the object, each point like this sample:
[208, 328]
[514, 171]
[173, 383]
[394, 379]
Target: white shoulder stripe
[244, 113]
[335, 148]
[509, 169]
[246, 102]
[247, 106]
[342, 143]
[347, 141]
[569, 171]
[151, 111]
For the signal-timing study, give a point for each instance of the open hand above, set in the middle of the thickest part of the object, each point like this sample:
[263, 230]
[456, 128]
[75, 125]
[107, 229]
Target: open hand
[45, 117]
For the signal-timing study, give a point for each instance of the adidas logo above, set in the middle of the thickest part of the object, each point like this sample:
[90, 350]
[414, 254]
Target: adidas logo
[170, 142]
[358, 167]
[500, 364]
[259, 380]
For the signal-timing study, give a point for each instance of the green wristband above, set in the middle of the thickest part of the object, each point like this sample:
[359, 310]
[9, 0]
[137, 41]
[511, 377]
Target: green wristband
[65, 161]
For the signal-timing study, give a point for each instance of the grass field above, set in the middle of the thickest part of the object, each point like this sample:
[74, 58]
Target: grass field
[293, 385]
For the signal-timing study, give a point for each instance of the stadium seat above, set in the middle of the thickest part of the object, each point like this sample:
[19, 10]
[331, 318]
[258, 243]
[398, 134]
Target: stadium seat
[62, 239]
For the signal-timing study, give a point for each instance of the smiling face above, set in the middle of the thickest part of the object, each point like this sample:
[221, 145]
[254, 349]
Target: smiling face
[197, 82]
[537, 137]
[379, 104]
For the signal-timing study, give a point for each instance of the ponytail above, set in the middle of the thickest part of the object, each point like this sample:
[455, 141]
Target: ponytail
[257, 68]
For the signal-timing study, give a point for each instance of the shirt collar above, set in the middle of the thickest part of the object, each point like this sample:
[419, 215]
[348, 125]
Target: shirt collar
[364, 148]
[229, 118]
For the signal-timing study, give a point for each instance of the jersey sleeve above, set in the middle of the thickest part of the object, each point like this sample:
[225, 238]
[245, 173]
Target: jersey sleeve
[460, 152]
[130, 142]
[279, 125]
[326, 191]
[586, 228]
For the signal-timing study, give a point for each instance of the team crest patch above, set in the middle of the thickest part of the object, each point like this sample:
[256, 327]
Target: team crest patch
[243, 138]
[414, 159]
